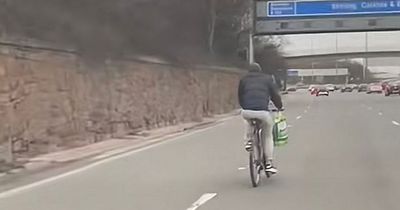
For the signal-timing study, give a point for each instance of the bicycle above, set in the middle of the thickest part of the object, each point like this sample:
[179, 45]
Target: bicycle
[257, 157]
[256, 154]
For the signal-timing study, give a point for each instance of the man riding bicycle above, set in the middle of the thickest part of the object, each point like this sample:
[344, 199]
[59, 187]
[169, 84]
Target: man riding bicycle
[256, 90]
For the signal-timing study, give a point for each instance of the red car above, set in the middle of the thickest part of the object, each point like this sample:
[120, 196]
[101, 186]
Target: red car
[386, 82]
[374, 88]
[392, 88]
[314, 91]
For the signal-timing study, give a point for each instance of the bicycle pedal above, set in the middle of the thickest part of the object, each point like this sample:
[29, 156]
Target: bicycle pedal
[249, 146]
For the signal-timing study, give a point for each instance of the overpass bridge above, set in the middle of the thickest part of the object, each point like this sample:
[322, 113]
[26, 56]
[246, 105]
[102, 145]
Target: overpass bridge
[295, 60]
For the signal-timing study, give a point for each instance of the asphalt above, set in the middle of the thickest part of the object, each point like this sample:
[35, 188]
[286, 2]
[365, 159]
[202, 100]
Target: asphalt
[343, 154]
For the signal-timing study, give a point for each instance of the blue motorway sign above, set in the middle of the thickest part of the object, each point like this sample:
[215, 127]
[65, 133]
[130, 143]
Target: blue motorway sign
[287, 9]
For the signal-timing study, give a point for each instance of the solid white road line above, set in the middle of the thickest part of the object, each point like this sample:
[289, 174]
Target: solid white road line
[202, 200]
[395, 123]
[27, 187]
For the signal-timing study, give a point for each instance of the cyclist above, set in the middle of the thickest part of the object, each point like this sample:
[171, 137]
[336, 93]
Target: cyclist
[256, 90]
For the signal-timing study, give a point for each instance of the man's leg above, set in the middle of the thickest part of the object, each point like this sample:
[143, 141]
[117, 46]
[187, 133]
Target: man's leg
[247, 134]
[247, 130]
[268, 138]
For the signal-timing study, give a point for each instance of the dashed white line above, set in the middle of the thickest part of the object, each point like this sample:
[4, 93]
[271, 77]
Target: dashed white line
[242, 168]
[298, 117]
[396, 123]
[290, 126]
[380, 113]
[202, 200]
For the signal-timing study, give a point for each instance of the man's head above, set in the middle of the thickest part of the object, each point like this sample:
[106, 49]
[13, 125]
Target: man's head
[255, 67]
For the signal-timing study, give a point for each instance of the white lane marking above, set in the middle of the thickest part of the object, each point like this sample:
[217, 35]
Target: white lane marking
[298, 117]
[202, 200]
[290, 126]
[27, 187]
[395, 123]
[113, 152]
[242, 168]
[380, 113]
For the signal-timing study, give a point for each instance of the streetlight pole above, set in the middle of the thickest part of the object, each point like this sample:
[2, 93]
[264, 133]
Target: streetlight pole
[252, 30]
[337, 51]
[251, 48]
[366, 57]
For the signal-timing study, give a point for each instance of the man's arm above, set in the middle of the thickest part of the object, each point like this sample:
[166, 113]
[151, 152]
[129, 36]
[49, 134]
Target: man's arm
[274, 94]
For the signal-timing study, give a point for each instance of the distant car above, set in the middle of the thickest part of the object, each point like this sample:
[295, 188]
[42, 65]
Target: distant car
[354, 86]
[374, 88]
[386, 82]
[330, 87]
[322, 92]
[362, 88]
[314, 91]
[346, 88]
[312, 87]
[392, 88]
[292, 89]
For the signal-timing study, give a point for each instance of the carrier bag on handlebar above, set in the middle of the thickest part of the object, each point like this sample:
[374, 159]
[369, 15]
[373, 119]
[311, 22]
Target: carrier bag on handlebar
[280, 130]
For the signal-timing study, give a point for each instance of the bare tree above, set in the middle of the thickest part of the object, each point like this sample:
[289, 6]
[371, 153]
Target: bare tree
[173, 28]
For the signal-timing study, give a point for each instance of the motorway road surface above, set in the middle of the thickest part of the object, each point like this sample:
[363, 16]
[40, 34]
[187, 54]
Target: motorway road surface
[344, 154]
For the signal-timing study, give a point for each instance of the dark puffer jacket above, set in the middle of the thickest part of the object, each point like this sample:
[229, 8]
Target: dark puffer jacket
[256, 89]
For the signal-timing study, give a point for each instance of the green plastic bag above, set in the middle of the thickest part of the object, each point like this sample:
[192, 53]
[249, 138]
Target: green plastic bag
[280, 130]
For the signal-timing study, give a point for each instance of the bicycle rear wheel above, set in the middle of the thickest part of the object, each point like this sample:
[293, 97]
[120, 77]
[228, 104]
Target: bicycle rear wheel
[254, 169]
[255, 157]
